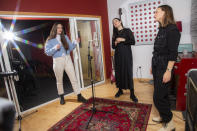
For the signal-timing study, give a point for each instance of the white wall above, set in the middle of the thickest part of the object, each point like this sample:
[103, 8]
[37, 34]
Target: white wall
[182, 12]
[194, 23]
[142, 54]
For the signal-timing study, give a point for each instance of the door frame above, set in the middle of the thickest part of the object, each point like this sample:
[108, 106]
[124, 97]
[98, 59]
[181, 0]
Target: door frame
[30, 15]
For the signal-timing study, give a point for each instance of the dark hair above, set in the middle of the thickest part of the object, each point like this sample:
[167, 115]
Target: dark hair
[53, 34]
[115, 30]
[168, 16]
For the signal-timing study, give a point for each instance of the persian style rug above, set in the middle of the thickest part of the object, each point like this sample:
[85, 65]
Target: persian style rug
[122, 116]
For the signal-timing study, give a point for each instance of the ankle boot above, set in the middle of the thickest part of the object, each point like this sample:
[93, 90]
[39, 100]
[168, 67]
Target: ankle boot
[133, 97]
[62, 101]
[119, 93]
[168, 126]
[157, 119]
[80, 98]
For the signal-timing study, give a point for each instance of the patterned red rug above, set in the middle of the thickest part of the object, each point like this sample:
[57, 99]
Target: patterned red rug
[126, 116]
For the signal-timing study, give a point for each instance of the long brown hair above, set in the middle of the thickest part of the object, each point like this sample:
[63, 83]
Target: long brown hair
[53, 34]
[168, 16]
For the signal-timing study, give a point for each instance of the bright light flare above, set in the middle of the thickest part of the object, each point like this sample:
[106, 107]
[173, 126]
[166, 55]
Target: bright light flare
[8, 36]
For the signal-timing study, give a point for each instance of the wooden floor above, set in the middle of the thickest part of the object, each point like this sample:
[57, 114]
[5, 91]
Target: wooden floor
[50, 114]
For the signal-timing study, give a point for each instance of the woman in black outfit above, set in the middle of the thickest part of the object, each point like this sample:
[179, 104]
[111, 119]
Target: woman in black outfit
[121, 41]
[164, 56]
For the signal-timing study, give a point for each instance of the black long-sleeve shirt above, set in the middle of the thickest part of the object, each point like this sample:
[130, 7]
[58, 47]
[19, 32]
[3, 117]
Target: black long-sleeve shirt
[166, 42]
[124, 33]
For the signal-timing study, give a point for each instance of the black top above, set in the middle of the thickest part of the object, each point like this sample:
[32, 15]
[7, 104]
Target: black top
[166, 42]
[124, 33]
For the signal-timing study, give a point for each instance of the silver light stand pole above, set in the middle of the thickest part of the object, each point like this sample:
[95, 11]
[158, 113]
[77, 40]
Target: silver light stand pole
[8, 77]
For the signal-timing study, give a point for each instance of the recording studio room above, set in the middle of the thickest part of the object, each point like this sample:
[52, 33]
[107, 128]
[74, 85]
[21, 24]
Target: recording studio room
[112, 65]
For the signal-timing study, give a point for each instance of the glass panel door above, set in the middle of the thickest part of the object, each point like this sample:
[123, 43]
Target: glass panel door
[89, 33]
[36, 82]
[25, 54]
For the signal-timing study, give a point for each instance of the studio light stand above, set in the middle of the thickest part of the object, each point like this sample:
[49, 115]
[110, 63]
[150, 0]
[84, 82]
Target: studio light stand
[93, 109]
[10, 77]
[8, 74]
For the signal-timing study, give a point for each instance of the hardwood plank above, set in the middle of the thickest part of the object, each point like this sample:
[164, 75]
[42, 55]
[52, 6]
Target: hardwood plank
[50, 114]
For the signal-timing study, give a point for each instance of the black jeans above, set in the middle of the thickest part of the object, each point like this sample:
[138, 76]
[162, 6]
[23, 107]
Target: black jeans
[160, 95]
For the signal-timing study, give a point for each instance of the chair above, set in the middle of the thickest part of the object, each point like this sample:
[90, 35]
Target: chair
[191, 102]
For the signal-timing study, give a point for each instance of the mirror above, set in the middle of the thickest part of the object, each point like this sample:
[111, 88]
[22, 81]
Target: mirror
[37, 83]
[88, 31]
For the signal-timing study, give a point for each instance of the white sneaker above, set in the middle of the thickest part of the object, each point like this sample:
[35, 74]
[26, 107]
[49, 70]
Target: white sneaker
[168, 126]
[157, 119]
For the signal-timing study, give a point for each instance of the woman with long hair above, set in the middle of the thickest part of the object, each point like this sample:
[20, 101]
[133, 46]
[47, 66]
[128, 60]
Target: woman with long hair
[121, 41]
[59, 47]
[164, 56]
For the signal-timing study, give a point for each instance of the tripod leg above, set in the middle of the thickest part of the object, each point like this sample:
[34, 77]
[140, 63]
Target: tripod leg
[93, 112]
[19, 119]
[89, 121]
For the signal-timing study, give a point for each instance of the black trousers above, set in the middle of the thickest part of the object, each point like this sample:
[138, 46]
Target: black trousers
[160, 95]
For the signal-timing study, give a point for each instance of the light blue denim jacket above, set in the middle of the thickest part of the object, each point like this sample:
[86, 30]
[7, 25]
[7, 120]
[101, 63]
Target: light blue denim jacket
[50, 47]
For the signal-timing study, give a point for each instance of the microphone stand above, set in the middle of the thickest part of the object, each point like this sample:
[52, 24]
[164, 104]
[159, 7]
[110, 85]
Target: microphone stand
[93, 109]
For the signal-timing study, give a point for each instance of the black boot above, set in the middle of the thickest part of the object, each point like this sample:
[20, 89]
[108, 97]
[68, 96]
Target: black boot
[119, 93]
[80, 98]
[133, 97]
[62, 102]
